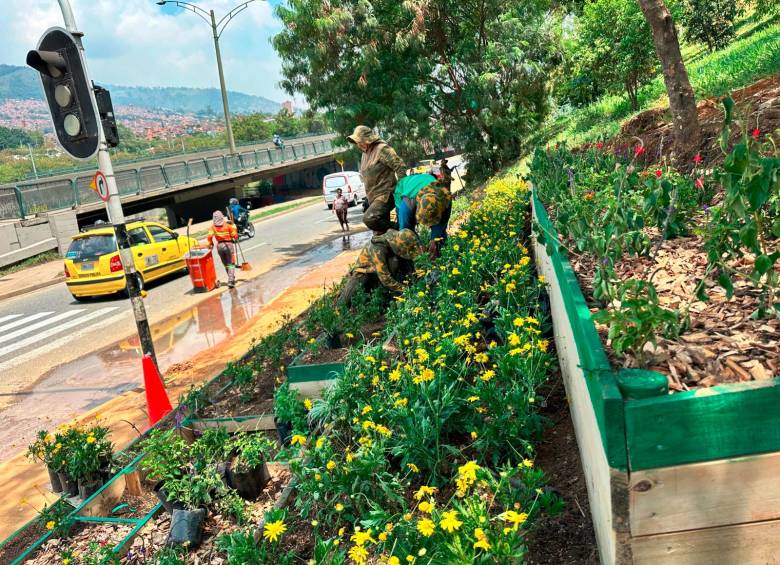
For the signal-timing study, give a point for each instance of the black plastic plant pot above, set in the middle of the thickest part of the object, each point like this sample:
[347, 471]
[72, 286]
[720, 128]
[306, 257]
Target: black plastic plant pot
[162, 495]
[249, 484]
[54, 479]
[333, 341]
[187, 527]
[88, 487]
[284, 429]
[69, 486]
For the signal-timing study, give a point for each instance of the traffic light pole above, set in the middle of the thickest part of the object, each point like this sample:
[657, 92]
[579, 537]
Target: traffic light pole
[114, 207]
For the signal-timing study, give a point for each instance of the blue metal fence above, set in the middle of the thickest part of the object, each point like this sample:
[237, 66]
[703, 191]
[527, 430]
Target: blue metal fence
[46, 195]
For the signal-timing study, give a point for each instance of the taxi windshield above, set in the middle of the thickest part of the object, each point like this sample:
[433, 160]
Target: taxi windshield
[91, 247]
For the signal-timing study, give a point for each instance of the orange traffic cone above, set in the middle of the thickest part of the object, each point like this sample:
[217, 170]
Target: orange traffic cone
[157, 402]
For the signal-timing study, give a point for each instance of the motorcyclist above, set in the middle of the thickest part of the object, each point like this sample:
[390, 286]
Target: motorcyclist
[235, 210]
[278, 141]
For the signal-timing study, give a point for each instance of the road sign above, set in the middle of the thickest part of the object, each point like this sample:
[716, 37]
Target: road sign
[101, 186]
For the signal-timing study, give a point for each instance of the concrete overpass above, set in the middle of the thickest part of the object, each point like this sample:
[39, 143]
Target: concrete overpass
[170, 182]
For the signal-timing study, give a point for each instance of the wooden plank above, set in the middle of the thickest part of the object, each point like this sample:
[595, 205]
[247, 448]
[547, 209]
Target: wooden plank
[262, 422]
[607, 487]
[133, 483]
[746, 544]
[703, 495]
[705, 424]
[106, 499]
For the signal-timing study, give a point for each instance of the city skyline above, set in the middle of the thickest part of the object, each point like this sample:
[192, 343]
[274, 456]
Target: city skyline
[123, 42]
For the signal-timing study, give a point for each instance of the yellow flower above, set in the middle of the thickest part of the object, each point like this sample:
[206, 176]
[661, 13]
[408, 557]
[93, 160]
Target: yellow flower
[370, 358]
[426, 527]
[349, 457]
[366, 410]
[393, 561]
[349, 335]
[513, 517]
[424, 491]
[518, 322]
[473, 398]
[383, 536]
[401, 402]
[358, 554]
[91, 439]
[408, 517]
[422, 355]
[360, 538]
[473, 435]
[273, 531]
[317, 477]
[514, 339]
[469, 470]
[413, 467]
[426, 507]
[298, 439]
[482, 541]
[330, 465]
[449, 521]
[541, 279]
[307, 403]
[426, 375]
[481, 358]
[487, 375]
[312, 340]
[66, 561]
[319, 443]
[339, 507]
[50, 524]
[395, 375]
[455, 271]
[528, 463]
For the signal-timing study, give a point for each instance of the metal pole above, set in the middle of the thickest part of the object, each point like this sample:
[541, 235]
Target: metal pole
[228, 127]
[114, 208]
[32, 160]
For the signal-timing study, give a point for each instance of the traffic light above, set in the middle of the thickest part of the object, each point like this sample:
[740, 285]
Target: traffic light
[106, 111]
[67, 89]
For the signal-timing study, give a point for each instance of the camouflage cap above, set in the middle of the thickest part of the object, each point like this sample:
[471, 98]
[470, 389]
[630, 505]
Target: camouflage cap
[432, 202]
[404, 243]
[363, 134]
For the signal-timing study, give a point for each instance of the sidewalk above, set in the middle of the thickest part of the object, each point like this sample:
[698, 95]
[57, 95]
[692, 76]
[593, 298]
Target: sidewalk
[25, 484]
[48, 274]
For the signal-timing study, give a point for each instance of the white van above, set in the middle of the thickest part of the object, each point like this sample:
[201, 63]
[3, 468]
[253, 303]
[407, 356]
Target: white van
[349, 182]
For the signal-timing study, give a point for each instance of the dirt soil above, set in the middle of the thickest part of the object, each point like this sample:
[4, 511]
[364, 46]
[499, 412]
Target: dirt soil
[20, 543]
[137, 506]
[568, 538]
[322, 356]
[757, 107]
[723, 344]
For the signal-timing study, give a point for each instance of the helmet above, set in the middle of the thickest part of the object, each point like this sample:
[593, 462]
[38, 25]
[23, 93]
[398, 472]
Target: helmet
[233, 201]
[432, 201]
[404, 243]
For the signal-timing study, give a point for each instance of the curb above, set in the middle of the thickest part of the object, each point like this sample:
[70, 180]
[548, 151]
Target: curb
[32, 288]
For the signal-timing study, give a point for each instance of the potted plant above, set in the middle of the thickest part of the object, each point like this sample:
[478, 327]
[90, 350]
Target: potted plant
[289, 412]
[88, 455]
[247, 472]
[44, 450]
[193, 491]
[165, 454]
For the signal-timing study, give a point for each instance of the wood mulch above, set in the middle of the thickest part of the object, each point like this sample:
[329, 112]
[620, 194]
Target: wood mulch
[724, 344]
[82, 536]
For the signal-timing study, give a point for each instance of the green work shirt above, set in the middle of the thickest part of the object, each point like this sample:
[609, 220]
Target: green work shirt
[410, 186]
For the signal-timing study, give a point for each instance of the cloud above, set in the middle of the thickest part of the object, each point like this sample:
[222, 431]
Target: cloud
[137, 43]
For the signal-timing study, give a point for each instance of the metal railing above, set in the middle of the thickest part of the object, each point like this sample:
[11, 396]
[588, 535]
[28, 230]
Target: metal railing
[30, 198]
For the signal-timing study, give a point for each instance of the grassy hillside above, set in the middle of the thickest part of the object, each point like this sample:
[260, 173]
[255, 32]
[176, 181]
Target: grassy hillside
[754, 54]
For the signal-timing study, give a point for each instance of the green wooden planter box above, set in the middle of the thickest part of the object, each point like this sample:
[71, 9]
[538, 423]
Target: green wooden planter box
[686, 478]
[311, 380]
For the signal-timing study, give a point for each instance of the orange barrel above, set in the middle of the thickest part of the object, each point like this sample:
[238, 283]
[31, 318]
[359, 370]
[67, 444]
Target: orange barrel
[200, 264]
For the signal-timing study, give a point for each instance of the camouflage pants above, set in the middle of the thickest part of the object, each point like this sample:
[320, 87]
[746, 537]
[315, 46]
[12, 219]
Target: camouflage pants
[377, 217]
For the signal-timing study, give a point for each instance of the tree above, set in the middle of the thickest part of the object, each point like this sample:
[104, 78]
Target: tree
[710, 21]
[472, 71]
[252, 127]
[682, 101]
[615, 47]
[12, 137]
[286, 124]
[314, 122]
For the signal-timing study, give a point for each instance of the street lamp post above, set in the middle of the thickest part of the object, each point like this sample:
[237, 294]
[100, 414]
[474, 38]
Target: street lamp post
[217, 27]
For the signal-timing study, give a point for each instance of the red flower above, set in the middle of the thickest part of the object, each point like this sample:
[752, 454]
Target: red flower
[599, 145]
[658, 173]
[697, 158]
[755, 133]
[639, 150]
[699, 183]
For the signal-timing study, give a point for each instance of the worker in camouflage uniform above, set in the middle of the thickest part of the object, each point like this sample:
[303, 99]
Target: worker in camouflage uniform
[380, 168]
[425, 200]
[381, 257]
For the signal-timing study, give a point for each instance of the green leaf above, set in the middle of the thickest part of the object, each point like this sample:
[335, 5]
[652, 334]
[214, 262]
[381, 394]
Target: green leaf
[748, 235]
[776, 228]
[701, 292]
[724, 280]
[763, 264]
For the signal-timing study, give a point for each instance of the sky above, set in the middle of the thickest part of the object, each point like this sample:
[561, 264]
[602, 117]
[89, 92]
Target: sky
[138, 43]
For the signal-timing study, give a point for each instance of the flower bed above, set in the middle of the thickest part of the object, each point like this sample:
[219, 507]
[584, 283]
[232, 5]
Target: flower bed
[671, 477]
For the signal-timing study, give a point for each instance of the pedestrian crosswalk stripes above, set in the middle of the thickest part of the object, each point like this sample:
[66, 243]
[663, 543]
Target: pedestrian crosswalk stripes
[57, 325]
[9, 317]
[23, 321]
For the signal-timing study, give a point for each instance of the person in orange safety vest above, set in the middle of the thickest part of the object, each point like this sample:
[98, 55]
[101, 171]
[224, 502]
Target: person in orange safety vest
[225, 235]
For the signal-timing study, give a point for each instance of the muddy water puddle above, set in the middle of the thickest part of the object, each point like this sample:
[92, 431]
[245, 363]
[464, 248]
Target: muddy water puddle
[87, 382]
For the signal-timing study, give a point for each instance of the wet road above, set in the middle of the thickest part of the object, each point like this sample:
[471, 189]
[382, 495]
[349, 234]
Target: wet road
[86, 352]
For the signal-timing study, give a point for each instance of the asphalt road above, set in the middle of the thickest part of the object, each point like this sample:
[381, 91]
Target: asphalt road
[47, 328]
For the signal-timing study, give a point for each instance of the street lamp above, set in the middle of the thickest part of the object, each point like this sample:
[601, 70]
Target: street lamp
[217, 27]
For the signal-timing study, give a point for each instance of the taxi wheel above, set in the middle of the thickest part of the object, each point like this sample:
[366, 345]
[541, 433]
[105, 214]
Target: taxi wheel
[80, 298]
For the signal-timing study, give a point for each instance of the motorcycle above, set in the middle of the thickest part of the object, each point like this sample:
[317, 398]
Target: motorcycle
[244, 226]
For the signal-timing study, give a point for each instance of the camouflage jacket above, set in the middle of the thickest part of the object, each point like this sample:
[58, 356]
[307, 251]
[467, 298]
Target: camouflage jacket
[373, 259]
[380, 168]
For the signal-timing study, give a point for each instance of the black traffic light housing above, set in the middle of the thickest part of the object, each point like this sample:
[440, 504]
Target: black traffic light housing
[106, 111]
[68, 92]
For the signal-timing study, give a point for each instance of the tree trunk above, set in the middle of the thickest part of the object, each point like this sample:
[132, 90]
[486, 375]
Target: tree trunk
[682, 101]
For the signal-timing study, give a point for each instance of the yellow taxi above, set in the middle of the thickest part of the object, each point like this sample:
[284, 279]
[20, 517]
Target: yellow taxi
[424, 166]
[93, 266]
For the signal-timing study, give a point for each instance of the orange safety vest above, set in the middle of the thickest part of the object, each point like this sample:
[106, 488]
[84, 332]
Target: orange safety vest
[225, 232]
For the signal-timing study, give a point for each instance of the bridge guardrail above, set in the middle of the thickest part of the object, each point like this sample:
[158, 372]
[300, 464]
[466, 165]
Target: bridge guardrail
[44, 196]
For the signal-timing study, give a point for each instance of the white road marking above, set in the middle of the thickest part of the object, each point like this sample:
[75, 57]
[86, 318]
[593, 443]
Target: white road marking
[58, 329]
[39, 325]
[24, 320]
[9, 317]
[245, 249]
